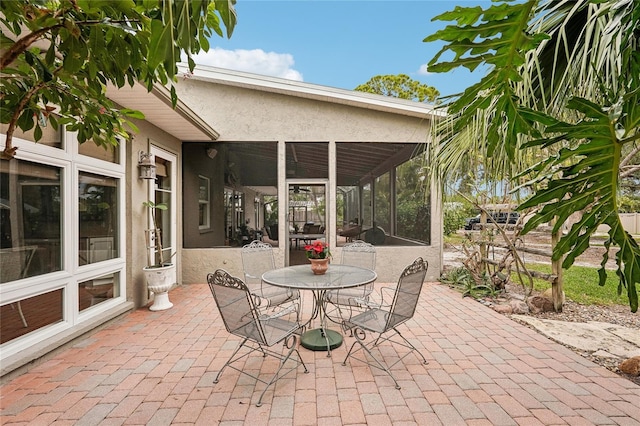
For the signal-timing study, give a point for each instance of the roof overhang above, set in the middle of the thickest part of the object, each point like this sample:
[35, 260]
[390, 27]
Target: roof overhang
[180, 122]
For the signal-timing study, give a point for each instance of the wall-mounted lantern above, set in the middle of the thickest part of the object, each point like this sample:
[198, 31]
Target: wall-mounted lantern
[212, 152]
[146, 166]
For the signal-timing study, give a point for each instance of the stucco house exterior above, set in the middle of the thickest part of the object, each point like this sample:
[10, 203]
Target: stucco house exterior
[243, 156]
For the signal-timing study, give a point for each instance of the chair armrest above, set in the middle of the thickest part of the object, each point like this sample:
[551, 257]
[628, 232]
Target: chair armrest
[286, 311]
[391, 292]
[365, 302]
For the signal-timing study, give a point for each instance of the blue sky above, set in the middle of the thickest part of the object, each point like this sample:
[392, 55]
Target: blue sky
[338, 43]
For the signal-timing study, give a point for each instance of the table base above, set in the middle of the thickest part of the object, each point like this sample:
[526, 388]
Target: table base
[315, 339]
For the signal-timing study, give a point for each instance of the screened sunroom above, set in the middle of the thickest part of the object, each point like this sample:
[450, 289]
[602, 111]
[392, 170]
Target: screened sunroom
[296, 162]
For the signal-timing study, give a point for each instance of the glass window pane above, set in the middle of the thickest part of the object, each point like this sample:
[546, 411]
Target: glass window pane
[27, 315]
[98, 290]
[50, 136]
[107, 153]
[163, 194]
[31, 220]
[98, 216]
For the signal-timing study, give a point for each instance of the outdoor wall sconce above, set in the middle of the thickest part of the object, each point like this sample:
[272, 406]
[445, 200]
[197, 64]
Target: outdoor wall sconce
[147, 168]
[212, 152]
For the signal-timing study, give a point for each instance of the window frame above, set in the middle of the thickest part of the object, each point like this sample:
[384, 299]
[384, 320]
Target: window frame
[70, 163]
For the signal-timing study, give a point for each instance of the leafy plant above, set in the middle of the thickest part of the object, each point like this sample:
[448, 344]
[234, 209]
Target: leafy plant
[453, 220]
[460, 278]
[556, 112]
[58, 56]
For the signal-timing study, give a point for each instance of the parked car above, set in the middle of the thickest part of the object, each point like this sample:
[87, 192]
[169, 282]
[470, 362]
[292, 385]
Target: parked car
[470, 221]
[510, 218]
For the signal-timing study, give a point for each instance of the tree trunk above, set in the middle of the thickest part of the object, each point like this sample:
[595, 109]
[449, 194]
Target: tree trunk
[556, 269]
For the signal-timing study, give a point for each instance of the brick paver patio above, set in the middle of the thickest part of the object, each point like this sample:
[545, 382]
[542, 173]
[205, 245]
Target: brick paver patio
[158, 368]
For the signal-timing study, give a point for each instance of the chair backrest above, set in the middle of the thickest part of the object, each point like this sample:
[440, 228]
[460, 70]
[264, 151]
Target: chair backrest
[14, 262]
[257, 258]
[359, 253]
[407, 293]
[236, 306]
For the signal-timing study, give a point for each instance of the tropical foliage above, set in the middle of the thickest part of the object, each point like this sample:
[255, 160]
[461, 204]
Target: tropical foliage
[558, 112]
[400, 86]
[59, 55]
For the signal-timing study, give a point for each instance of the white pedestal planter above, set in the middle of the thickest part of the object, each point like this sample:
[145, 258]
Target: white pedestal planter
[159, 281]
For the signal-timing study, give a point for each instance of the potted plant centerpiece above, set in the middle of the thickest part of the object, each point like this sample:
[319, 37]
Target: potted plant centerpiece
[159, 273]
[318, 254]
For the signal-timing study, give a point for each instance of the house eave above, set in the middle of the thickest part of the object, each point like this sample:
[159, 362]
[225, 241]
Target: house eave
[180, 122]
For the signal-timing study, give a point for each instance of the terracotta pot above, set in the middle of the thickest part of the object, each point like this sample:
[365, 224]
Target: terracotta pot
[319, 266]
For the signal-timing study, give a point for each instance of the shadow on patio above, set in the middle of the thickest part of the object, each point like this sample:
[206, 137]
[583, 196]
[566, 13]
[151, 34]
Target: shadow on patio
[158, 368]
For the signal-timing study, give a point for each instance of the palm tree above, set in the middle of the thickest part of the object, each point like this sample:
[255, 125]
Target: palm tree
[555, 112]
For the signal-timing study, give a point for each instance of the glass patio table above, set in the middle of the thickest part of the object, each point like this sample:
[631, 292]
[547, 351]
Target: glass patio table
[337, 277]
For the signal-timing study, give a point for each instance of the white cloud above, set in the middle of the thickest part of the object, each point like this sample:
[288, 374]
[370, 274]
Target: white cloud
[255, 61]
[423, 70]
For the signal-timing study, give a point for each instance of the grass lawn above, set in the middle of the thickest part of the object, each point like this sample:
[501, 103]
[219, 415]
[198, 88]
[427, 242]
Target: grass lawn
[454, 239]
[580, 284]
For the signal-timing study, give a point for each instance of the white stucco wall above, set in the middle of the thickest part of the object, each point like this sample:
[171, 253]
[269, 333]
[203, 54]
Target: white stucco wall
[240, 114]
[137, 214]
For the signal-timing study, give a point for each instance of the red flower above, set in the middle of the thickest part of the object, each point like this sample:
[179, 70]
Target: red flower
[317, 250]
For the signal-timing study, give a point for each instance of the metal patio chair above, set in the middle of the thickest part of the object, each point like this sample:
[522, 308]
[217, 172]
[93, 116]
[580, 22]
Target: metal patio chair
[382, 321]
[257, 258]
[259, 332]
[349, 300]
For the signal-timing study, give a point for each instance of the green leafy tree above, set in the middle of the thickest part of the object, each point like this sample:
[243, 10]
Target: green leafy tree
[399, 86]
[59, 55]
[562, 90]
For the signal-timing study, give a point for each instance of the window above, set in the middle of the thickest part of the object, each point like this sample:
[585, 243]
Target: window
[98, 290]
[60, 210]
[30, 314]
[98, 218]
[204, 209]
[50, 136]
[31, 219]
[164, 193]
[108, 153]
